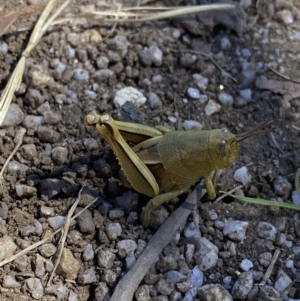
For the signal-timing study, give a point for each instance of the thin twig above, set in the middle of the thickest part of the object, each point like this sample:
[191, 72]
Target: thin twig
[270, 268]
[127, 286]
[207, 55]
[165, 13]
[18, 140]
[284, 76]
[225, 194]
[65, 233]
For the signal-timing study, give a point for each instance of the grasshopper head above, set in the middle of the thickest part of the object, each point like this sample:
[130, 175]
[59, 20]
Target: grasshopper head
[223, 148]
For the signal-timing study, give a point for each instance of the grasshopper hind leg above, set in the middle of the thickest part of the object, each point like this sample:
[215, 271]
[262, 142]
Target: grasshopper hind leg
[157, 201]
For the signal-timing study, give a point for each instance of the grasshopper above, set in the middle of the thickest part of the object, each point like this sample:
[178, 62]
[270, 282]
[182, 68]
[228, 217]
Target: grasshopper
[162, 163]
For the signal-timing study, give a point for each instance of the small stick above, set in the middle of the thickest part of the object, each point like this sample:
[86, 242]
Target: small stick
[270, 268]
[225, 194]
[18, 140]
[65, 233]
[126, 287]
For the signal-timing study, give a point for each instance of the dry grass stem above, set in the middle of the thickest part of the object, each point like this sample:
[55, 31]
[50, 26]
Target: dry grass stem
[18, 140]
[130, 14]
[65, 231]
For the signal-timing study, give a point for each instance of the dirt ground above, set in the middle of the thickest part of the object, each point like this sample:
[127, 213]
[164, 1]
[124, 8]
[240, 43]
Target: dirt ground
[75, 71]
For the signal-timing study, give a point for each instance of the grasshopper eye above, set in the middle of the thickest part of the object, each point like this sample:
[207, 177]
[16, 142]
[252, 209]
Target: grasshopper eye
[224, 130]
[221, 148]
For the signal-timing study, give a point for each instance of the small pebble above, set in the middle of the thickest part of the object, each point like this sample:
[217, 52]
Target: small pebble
[125, 247]
[56, 222]
[7, 247]
[282, 186]
[13, 117]
[242, 175]
[85, 221]
[32, 122]
[87, 277]
[200, 81]
[35, 287]
[47, 250]
[130, 94]
[113, 231]
[215, 292]
[206, 255]
[285, 16]
[46, 134]
[3, 47]
[88, 253]
[175, 276]
[14, 166]
[192, 125]
[246, 265]
[105, 259]
[246, 94]
[154, 101]
[68, 265]
[3, 210]
[46, 211]
[243, 285]
[29, 152]
[266, 230]
[155, 55]
[25, 190]
[296, 197]
[142, 293]
[193, 93]
[91, 144]
[59, 290]
[225, 99]
[102, 292]
[59, 155]
[225, 44]
[103, 75]
[282, 282]
[212, 107]
[172, 119]
[265, 259]
[289, 264]
[9, 281]
[51, 117]
[39, 77]
[246, 53]
[164, 287]
[81, 75]
[235, 230]
[102, 62]
[115, 213]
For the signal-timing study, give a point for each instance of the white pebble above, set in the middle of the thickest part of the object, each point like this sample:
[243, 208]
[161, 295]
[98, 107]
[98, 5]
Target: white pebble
[296, 197]
[3, 48]
[246, 94]
[242, 175]
[32, 122]
[225, 43]
[185, 100]
[285, 16]
[246, 265]
[56, 222]
[225, 99]
[13, 117]
[235, 230]
[289, 264]
[200, 81]
[156, 55]
[176, 34]
[212, 107]
[191, 124]
[172, 119]
[282, 282]
[193, 93]
[206, 255]
[129, 94]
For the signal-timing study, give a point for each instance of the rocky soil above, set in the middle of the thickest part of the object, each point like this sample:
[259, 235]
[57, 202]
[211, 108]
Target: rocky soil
[198, 72]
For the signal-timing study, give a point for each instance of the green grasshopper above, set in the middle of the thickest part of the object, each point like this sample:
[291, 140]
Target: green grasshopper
[163, 164]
